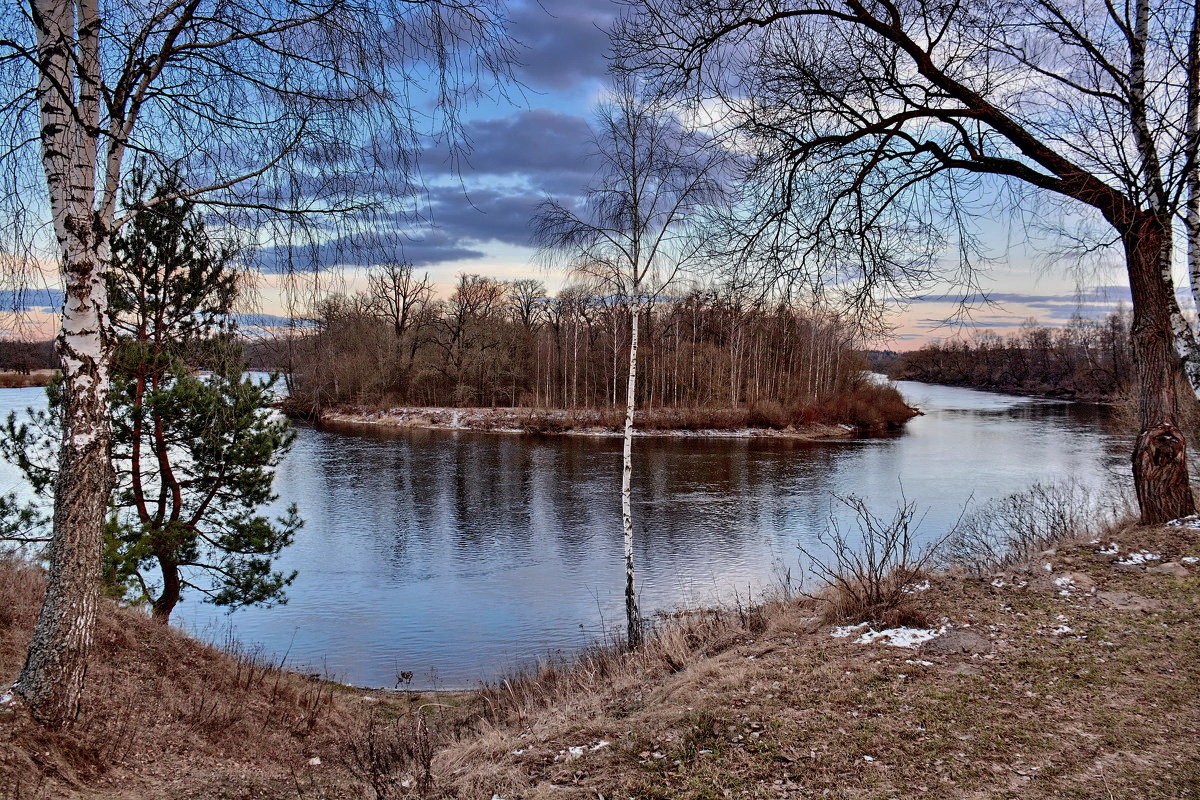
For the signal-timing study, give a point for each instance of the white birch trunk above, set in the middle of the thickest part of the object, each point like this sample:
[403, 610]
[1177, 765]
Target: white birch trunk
[51, 682]
[632, 615]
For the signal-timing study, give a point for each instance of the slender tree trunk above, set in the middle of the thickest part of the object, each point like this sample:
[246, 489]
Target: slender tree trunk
[632, 616]
[1160, 469]
[168, 598]
[51, 682]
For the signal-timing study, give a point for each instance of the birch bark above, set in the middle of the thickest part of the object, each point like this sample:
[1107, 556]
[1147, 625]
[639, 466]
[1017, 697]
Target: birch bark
[51, 682]
[632, 615]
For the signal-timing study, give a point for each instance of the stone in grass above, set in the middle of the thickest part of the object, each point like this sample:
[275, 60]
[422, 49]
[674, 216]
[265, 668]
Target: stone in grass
[1170, 568]
[957, 642]
[1127, 601]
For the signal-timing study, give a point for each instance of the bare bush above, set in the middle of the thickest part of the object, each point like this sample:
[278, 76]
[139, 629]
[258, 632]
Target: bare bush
[867, 573]
[394, 758]
[1014, 527]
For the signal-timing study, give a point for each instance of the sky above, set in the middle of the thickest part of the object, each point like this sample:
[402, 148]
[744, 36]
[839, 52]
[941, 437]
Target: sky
[535, 144]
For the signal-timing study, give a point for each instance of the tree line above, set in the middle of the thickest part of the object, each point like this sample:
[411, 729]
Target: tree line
[496, 343]
[1087, 359]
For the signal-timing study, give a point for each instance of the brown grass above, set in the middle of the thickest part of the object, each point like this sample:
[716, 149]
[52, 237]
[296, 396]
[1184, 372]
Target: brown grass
[160, 708]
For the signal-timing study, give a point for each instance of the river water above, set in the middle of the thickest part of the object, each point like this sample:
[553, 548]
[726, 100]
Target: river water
[460, 556]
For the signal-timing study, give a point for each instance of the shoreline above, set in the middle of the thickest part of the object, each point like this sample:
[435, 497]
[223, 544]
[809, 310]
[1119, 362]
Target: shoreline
[559, 422]
[26, 380]
[1086, 400]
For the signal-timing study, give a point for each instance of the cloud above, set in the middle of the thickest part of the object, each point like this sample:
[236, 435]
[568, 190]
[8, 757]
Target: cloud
[365, 249]
[1108, 294]
[565, 41]
[548, 151]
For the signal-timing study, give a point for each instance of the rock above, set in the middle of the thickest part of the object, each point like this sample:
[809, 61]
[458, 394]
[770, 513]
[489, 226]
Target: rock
[1126, 601]
[1081, 581]
[957, 642]
[1170, 568]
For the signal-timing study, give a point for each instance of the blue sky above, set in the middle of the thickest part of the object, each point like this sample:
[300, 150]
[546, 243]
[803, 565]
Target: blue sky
[536, 143]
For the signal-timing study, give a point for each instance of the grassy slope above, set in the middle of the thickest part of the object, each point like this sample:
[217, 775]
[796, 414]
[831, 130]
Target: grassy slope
[763, 705]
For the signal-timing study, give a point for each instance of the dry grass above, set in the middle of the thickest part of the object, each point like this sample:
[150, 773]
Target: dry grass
[1086, 688]
[160, 709]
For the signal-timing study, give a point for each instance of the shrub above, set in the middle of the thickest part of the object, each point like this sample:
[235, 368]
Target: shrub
[866, 575]
[1017, 526]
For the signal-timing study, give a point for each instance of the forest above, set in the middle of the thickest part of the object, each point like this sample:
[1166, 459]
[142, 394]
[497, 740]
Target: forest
[1087, 359]
[493, 343]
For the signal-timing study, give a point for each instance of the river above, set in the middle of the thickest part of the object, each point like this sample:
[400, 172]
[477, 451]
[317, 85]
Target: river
[460, 556]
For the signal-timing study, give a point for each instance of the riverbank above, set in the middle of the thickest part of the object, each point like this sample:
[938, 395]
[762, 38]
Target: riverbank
[576, 422]
[870, 409]
[1044, 393]
[24, 380]
[1069, 675]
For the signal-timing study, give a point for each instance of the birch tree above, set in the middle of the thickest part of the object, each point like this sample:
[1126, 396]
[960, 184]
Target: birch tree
[871, 122]
[267, 108]
[636, 230]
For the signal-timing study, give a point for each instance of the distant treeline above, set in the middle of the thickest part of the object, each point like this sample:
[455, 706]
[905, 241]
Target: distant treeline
[495, 343]
[1087, 359]
[24, 356]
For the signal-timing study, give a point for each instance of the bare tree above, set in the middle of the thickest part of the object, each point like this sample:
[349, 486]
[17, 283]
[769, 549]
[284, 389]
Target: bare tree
[266, 107]
[637, 230]
[870, 124]
[401, 300]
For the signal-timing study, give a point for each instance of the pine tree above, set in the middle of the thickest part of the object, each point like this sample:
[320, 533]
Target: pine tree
[195, 441]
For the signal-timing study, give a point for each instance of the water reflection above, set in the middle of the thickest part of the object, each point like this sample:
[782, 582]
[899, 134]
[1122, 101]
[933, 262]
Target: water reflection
[457, 556]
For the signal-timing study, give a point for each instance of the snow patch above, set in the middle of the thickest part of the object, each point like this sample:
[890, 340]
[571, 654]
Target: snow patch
[1191, 523]
[1138, 558]
[847, 630]
[1112, 549]
[1189, 559]
[900, 637]
[913, 588]
[578, 750]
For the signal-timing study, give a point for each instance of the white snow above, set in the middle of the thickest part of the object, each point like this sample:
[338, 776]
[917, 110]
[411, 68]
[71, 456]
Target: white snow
[1111, 550]
[847, 630]
[1189, 559]
[913, 588]
[899, 637]
[1061, 630]
[579, 750]
[919, 662]
[1065, 584]
[1192, 522]
[1048, 567]
[1138, 558]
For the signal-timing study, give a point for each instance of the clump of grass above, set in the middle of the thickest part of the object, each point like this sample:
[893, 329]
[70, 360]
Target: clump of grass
[672, 643]
[866, 575]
